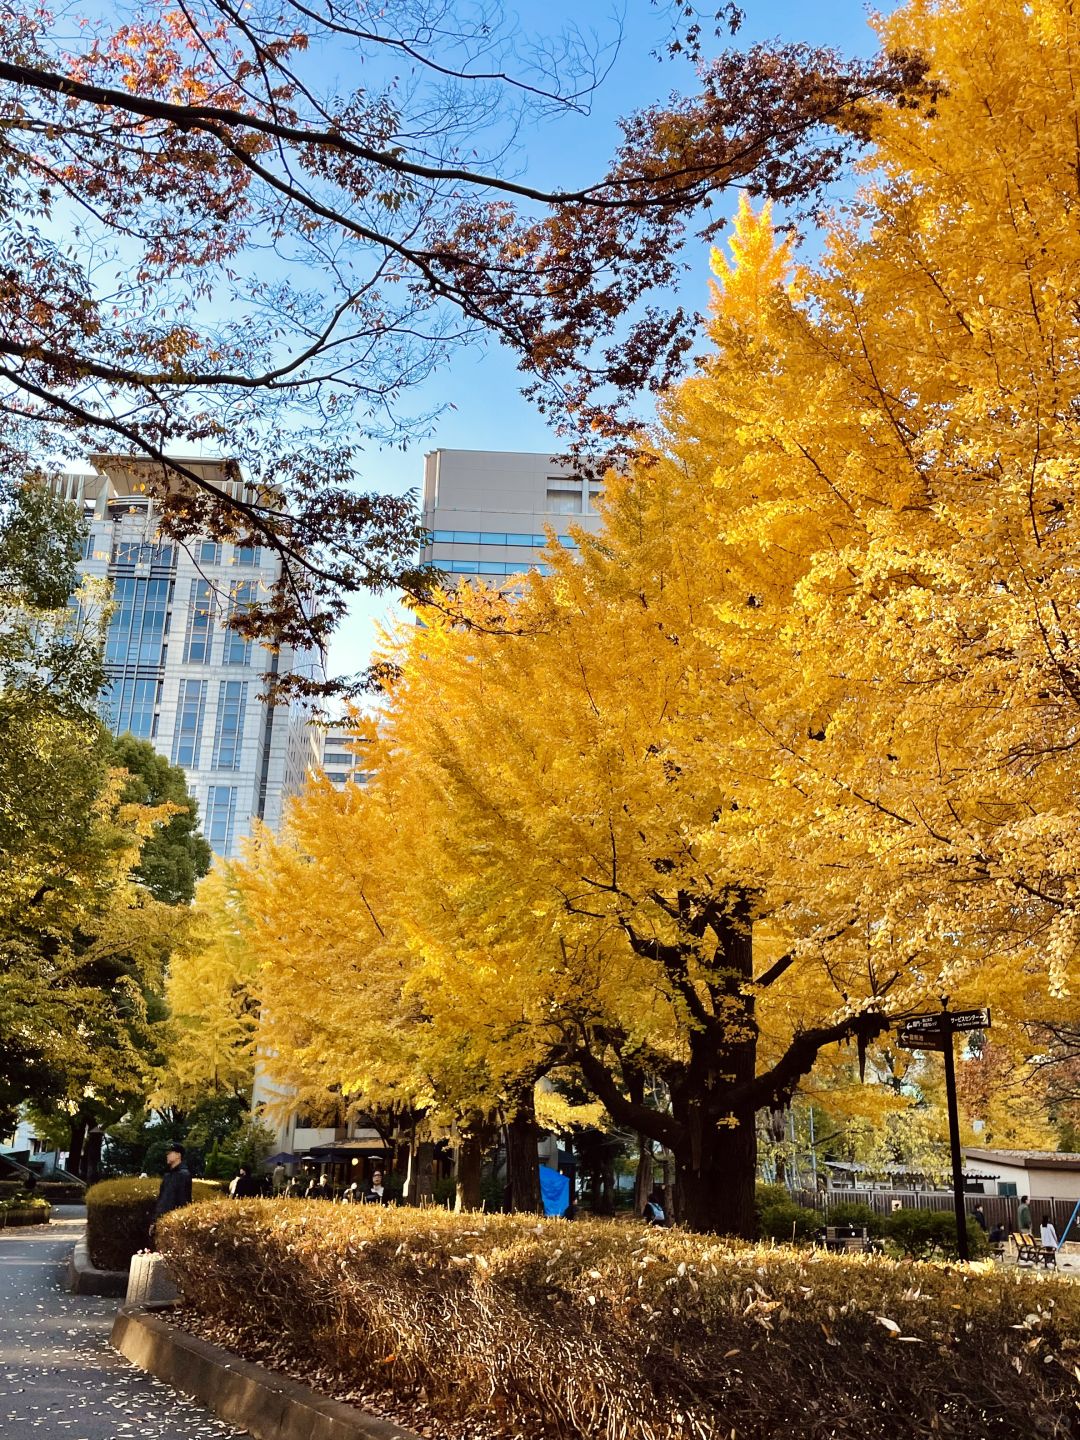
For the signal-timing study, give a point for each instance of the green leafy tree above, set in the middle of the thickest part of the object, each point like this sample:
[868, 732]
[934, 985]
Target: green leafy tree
[175, 855]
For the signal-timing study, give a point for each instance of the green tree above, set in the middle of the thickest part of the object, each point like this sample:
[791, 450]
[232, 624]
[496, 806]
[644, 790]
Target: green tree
[82, 943]
[175, 855]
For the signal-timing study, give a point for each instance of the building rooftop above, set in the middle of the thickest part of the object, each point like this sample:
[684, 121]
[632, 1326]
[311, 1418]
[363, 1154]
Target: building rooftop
[1026, 1159]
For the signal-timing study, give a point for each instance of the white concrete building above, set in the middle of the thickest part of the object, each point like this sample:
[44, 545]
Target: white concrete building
[486, 511]
[1040, 1174]
[179, 677]
[340, 760]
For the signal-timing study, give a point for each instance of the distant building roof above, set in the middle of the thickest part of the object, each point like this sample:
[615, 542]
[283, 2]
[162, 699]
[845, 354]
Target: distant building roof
[1026, 1159]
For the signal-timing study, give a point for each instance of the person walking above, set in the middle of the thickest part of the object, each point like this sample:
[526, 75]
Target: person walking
[1023, 1216]
[278, 1178]
[175, 1191]
[979, 1216]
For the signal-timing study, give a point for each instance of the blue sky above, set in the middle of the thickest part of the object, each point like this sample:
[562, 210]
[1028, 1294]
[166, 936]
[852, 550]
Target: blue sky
[480, 388]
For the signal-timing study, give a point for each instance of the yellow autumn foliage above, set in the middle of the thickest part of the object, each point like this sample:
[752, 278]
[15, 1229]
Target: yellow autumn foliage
[787, 750]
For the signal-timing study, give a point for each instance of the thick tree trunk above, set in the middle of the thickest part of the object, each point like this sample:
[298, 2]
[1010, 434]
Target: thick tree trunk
[470, 1159]
[717, 1192]
[95, 1139]
[522, 1159]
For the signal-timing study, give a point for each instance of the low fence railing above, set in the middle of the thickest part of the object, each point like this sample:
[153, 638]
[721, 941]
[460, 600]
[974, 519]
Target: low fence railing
[998, 1209]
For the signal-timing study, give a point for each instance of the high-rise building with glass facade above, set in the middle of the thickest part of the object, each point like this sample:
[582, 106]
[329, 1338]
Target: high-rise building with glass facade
[178, 676]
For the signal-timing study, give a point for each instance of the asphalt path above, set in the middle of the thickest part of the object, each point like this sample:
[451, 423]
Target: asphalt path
[59, 1377]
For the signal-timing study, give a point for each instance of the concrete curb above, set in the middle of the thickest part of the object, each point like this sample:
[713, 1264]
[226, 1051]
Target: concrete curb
[83, 1279]
[268, 1406]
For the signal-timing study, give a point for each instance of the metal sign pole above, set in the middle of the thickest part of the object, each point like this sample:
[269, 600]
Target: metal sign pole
[954, 1139]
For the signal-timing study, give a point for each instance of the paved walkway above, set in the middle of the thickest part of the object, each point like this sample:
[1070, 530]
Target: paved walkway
[59, 1377]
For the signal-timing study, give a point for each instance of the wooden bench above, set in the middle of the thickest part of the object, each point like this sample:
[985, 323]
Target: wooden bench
[1027, 1252]
[1030, 1251]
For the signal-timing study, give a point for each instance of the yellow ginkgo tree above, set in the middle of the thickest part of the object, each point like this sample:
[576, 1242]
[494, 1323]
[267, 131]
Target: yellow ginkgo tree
[787, 751]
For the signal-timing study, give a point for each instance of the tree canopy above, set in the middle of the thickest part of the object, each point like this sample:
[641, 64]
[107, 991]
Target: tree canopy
[83, 933]
[213, 246]
[786, 752]
[175, 855]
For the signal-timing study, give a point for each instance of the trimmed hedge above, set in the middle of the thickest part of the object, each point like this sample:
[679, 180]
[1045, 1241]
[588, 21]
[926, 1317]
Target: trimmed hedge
[20, 1210]
[584, 1328]
[57, 1192]
[119, 1214]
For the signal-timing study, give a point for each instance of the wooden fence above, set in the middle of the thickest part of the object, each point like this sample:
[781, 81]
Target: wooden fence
[998, 1209]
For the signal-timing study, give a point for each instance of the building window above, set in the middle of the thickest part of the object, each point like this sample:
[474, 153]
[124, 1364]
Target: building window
[138, 622]
[229, 729]
[209, 553]
[564, 497]
[200, 625]
[220, 817]
[131, 704]
[131, 552]
[189, 723]
[237, 648]
[247, 554]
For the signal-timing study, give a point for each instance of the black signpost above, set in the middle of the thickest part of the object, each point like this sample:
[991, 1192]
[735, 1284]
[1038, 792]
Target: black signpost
[935, 1032]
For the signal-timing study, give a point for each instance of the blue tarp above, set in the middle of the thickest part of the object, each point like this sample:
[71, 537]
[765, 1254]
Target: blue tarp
[554, 1190]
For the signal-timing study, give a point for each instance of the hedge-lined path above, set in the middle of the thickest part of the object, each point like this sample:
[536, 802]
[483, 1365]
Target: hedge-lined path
[59, 1377]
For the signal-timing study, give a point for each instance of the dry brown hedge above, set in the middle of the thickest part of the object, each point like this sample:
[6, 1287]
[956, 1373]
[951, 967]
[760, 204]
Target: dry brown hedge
[595, 1329]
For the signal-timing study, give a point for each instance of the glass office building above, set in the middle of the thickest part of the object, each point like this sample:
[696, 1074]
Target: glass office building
[178, 676]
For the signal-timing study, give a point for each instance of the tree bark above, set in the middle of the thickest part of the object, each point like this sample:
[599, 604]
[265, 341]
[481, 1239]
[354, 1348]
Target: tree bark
[717, 1193]
[75, 1151]
[470, 1158]
[423, 1173]
[522, 1160]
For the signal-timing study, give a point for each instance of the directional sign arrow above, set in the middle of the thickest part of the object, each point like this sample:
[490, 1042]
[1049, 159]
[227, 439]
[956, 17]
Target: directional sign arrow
[919, 1023]
[922, 1040]
[970, 1019]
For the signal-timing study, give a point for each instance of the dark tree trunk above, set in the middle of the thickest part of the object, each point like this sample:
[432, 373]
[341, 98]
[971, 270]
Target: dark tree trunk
[75, 1152]
[522, 1159]
[95, 1139]
[717, 1192]
[470, 1158]
[716, 1161]
[423, 1173]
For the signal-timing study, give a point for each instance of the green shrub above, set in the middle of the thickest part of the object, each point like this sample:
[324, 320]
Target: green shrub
[767, 1197]
[119, 1214]
[923, 1234]
[57, 1192]
[857, 1215]
[24, 1210]
[445, 1192]
[584, 1328]
[788, 1222]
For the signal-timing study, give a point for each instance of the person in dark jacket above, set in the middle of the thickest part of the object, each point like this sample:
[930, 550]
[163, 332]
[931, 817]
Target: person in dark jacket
[245, 1185]
[654, 1212]
[175, 1189]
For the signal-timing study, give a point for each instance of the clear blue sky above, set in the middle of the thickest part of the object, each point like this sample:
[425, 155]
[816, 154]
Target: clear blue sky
[481, 387]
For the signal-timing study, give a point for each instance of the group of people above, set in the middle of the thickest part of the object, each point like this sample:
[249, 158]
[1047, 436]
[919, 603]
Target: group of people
[1048, 1236]
[313, 1187]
